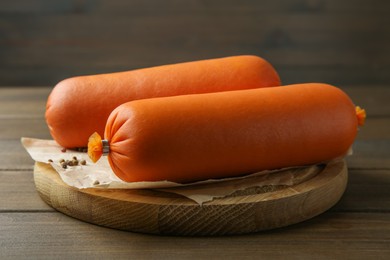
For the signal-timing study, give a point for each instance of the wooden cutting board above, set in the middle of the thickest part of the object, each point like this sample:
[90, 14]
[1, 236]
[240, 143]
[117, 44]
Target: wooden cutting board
[150, 211]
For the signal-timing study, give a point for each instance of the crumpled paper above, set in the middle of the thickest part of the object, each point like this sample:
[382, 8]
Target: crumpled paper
[100, 175]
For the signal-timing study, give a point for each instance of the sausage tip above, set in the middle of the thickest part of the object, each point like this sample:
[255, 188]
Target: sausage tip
[361, 115]
[95, 147]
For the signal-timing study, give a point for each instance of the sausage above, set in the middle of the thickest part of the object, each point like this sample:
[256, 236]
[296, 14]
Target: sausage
[204, 136]
[79, 106]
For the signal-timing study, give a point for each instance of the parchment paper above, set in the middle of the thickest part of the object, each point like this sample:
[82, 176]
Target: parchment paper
[100, 175]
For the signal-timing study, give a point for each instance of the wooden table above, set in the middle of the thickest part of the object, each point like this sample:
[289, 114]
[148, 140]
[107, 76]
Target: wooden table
[357, 227]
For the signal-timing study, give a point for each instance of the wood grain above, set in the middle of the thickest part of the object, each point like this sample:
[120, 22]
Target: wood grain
[149, 211]
[18, 193]
[306, 40]
[367, 191]
[328, 236]
[357, 227]
[23, 102]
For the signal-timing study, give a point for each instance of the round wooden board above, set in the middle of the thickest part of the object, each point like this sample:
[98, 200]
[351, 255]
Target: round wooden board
[155, 212]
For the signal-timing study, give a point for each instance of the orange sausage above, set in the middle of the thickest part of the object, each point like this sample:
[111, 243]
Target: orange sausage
[203, 136]
[81, 105]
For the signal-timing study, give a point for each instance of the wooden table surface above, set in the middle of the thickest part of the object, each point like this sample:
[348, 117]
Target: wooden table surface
[357, 227]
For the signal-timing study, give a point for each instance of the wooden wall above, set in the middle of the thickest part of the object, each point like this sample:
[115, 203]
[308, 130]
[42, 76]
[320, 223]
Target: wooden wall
[343, 42]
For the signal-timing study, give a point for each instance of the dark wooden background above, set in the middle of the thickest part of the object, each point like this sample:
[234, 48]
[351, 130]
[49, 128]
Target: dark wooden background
[342, 42]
